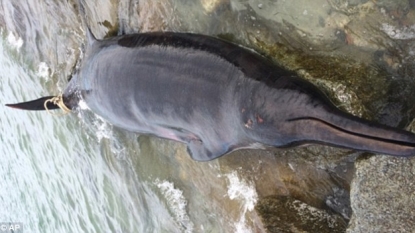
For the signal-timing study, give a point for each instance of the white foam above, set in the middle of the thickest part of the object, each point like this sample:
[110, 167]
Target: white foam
[177, 204]
[43, 70]
[82, 105]
[15, 41]
[104, 129]
[244, 192]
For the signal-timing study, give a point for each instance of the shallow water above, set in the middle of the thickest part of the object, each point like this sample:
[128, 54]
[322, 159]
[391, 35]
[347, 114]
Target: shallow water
[76, 173]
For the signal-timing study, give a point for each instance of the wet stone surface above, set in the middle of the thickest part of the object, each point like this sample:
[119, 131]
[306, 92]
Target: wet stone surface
[285, 215]
[383, 195]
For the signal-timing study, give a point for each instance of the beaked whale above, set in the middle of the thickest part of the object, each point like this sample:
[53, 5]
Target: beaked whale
[214, 96]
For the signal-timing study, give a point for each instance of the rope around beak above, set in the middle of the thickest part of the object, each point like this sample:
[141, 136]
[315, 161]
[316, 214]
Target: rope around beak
[57, 100]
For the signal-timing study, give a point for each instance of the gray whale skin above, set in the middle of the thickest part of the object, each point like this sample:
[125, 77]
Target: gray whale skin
[214, 96]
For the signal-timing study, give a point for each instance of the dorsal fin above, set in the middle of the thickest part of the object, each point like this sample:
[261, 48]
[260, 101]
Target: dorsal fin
[90, 37]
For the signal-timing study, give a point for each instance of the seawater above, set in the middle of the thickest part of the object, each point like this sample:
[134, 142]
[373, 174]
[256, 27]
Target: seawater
[55, 174]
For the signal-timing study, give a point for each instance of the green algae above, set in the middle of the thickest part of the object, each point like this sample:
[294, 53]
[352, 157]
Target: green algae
[112, 29]
[370, 89]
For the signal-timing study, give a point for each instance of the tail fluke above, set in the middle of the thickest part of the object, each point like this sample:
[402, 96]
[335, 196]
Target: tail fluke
[36, 105]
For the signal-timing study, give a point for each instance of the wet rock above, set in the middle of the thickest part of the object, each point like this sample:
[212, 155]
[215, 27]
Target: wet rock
[284, 214]
[383, 195]
[397, 5]
[214, 5]
[298, 173]
[336, 202]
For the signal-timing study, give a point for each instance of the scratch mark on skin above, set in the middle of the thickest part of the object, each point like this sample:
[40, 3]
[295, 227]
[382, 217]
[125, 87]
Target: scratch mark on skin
[259, 119]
